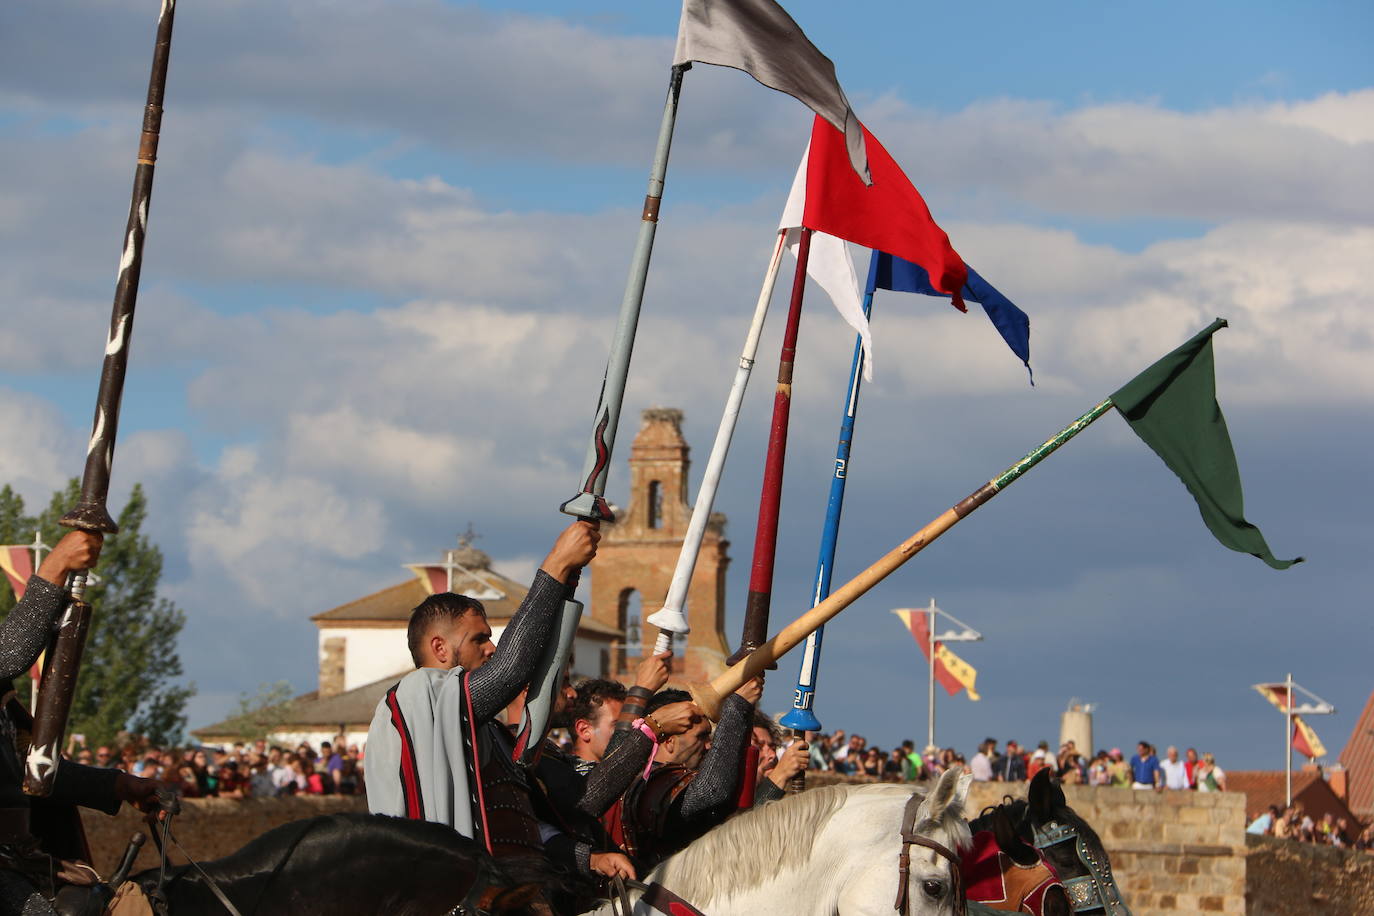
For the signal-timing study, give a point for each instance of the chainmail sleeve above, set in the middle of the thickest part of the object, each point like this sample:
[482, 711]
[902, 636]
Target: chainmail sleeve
[767, 792]
[610, 778]
[495, 684]
[718, 777]
[29, 626]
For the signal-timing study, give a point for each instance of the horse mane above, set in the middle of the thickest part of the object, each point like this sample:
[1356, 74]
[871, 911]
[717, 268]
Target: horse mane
[752, 846]
[757, 845]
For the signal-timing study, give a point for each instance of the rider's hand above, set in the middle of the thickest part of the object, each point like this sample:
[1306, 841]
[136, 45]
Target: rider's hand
[752, 690]
[792, 761]
[573, 550]
[139, 792]
[611, 864]
[675, 718]
[652, 673]
[77, 550]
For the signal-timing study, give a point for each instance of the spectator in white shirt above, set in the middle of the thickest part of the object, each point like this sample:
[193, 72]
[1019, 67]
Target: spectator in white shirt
[1175, 770]
[981, 765]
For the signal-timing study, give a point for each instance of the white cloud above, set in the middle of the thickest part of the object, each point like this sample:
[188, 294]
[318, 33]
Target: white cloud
[36, 447]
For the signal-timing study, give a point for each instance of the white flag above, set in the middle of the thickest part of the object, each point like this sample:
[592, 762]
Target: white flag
[828, 264]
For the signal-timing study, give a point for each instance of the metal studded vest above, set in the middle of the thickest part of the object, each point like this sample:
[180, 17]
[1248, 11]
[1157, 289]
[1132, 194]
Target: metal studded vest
[509, 827]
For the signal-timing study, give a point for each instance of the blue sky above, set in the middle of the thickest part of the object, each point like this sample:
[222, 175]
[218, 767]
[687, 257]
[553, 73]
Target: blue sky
[388, 240]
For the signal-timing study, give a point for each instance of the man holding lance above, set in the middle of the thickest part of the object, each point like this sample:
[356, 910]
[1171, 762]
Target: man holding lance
[693, 779]
[437, 750]
[38, 836]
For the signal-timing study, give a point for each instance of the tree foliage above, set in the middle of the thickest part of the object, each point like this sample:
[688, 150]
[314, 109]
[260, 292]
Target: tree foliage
[262, 714]
[130, 673]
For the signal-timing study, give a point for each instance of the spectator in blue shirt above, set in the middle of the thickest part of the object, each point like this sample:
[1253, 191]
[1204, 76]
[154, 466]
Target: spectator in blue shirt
[1145, 769]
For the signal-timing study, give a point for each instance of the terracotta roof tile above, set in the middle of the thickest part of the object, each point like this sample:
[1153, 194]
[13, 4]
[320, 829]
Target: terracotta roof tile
[397, 601]
[1358, 760]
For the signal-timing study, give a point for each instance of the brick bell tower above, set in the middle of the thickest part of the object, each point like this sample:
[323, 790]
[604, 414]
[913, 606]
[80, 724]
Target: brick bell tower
[638, 553]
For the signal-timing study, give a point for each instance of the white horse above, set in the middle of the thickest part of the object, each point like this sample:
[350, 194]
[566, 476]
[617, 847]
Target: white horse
[831, 851]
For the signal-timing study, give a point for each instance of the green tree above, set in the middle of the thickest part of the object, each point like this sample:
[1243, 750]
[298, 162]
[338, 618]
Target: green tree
[260, 715]
[130, 670]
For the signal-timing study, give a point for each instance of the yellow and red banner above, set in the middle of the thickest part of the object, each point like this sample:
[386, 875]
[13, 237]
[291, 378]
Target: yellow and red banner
[953, 673]
[1305, 740]
[17, 564]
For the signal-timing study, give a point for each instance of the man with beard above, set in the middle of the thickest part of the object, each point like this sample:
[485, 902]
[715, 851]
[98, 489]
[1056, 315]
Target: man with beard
[437, 751]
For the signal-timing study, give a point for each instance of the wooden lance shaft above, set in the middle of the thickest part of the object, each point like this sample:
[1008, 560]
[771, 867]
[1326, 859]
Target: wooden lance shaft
[760, 597]
[90, 513]
[710, 696]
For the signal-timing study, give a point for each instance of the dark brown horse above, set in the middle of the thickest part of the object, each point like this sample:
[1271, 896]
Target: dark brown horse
[355, 863]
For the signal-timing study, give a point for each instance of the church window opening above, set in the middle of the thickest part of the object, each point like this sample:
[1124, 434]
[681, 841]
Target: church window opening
[655, 504]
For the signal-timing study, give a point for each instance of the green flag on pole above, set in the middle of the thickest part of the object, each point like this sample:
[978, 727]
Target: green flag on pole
[1173, 406]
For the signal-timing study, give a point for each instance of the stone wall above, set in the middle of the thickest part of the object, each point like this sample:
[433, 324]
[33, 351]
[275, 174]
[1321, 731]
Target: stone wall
[1283, 878]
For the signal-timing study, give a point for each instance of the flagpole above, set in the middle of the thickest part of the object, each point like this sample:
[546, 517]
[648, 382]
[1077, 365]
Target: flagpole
[710, 696]
[590, 503]
[670, 619]
[930, 639]
[802, 716]
[760, 595]
[1288, 746]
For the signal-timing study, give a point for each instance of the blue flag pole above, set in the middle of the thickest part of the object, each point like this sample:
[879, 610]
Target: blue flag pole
[802, 717]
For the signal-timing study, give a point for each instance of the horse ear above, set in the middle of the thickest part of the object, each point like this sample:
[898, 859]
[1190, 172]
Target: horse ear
[949, 795]
[1038, 796]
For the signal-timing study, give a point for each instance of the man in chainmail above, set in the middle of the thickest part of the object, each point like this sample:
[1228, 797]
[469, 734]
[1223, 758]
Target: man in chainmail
[437, 749]
[693, 780]
[37, 840]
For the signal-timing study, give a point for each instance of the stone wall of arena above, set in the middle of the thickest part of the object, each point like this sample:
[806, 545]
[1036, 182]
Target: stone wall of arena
[1173, 852]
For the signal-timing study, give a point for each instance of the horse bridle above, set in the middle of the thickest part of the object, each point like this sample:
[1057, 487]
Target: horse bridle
[909, 838]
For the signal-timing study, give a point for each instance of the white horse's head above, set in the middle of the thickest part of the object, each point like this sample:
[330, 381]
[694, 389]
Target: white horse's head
[871, 887]
[828, 851]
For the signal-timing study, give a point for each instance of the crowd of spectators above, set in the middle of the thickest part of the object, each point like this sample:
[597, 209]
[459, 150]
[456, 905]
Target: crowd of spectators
[243, 770]
[851, 755]
[1293, 823]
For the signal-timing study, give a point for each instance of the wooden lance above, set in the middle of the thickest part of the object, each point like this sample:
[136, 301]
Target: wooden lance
[710, 696]
[90, 513]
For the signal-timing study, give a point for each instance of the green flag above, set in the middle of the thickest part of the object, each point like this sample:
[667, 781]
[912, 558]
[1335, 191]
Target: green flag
[1173, 406]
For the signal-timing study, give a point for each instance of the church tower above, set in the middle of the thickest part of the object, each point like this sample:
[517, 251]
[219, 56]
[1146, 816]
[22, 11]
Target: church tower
[638, 553]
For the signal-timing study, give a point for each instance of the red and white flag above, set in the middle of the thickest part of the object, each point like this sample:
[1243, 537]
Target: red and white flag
[889, 215]
[828, 265]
